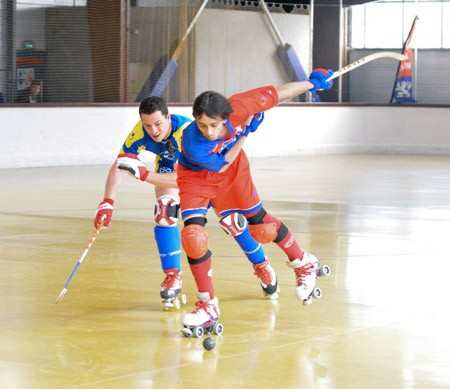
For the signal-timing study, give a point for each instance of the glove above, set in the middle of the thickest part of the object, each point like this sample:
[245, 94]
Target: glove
[132, 165]
[256, 121]
[104, 213]
[319, 79]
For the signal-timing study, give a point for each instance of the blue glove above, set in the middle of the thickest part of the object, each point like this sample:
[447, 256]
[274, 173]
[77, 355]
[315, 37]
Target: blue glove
[254, 123]
[319, 79]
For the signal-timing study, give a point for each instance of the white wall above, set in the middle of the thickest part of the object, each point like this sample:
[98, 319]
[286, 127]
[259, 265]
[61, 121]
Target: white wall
[34, 136]
[239, 53]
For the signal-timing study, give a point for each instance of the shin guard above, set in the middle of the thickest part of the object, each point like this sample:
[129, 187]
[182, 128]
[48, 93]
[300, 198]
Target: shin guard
[236, 225]
[169, 246]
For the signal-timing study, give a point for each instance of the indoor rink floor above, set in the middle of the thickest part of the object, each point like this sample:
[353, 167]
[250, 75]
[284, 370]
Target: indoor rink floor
[381, 222]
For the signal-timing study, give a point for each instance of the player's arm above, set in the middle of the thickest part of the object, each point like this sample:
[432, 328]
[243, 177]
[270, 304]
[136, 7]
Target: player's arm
[232, 153]
[293, 89]
[317, 81]
[113, 181]
[163, 180]
[105, 209]
[135, 167]
[248, 103]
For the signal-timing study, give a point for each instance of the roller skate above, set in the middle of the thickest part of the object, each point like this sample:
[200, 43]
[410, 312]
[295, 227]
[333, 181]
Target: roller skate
[170, 292]
[306, 272]
[204, 319]
[267, 279]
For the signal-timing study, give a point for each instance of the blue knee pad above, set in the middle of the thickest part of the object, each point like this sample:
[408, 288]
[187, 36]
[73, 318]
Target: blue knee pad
[236, 225]
[169, 246]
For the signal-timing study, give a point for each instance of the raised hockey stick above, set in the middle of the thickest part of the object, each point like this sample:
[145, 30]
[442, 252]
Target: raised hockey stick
[286, 53]
[170, 69]
[367, 59]
[76, 267]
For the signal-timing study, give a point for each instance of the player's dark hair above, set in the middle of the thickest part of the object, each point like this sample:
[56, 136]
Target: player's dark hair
[211, 104]
[153, 104]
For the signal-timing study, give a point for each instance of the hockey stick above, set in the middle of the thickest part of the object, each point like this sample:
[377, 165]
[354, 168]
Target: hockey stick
[76, 267]
[163, 81]
[286, 52]
[367, 59]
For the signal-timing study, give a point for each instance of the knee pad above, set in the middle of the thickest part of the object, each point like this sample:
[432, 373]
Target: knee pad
[195, 241]
[266, 228]
[234, 224]
[166, 210]
[264, 233]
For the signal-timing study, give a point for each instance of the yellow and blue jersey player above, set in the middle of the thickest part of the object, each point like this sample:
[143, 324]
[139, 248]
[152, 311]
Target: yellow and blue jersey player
[160, 133]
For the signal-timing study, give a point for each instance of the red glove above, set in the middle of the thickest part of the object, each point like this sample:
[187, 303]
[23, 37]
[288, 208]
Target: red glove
[131, 164]
[104, 214]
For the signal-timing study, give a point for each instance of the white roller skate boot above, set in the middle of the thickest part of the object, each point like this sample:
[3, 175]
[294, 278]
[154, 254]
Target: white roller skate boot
[306, 271]
[203, 319]
[267, 278]
[171, 290]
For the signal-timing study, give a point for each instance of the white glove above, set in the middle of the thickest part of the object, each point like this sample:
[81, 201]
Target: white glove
[131, 164]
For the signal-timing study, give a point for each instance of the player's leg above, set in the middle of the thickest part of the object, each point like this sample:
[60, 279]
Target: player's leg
[194, 238]
[167, 237]
[266, 228]
[235, 224]
[195, 243]
[238, 198]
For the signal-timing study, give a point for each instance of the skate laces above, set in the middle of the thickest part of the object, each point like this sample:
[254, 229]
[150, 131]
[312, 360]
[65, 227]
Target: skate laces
[263, 274]
[199, 305]
[302, 272]
[170, 280]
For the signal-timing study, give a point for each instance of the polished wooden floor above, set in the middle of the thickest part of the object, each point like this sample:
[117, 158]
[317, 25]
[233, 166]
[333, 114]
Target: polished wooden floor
[381, 222]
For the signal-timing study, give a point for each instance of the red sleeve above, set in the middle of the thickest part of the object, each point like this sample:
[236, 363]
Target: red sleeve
[248, 103]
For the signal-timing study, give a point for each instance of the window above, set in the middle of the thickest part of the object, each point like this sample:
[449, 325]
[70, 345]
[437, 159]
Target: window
[446, 26]
[386, 24]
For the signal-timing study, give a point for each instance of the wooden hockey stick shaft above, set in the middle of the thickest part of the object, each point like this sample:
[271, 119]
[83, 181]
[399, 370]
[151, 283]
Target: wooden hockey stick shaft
[76, 267]
[367, 59]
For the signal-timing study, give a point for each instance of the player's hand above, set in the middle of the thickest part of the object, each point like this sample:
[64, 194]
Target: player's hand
[104, 213]
[254, 123]
[319, 78]
[131, 164]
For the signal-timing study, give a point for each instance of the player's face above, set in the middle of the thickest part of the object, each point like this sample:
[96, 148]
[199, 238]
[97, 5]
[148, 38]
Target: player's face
[156, 125]
[211, 128]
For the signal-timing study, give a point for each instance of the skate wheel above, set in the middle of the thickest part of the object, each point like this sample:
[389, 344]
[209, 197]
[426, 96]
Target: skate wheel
[273, 296]
[324, 270]
[307, 301]
[176, 304]
[183, 299]
[316, 293]
[167, 305]
[198, 332]
[187, 333]
[217, 328]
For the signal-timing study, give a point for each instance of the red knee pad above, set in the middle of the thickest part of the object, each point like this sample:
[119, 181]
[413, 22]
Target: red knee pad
[264, 233]
[195, 240]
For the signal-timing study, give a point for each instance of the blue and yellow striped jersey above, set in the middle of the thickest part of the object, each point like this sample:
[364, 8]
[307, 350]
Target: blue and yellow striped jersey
[167, 152]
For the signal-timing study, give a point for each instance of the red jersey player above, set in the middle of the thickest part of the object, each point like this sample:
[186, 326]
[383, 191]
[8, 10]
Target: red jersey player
[213, 170]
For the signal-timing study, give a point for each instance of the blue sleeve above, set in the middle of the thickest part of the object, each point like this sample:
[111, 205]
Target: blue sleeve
[198, 152]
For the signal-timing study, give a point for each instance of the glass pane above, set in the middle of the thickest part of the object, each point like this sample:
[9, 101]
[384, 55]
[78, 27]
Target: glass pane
[357, 26]
[384, 25]
[24, 4]
[446, 26]
[429, 26]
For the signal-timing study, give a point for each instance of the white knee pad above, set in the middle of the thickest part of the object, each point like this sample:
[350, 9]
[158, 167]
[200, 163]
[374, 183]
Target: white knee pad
[234, 224]
[166, 210]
